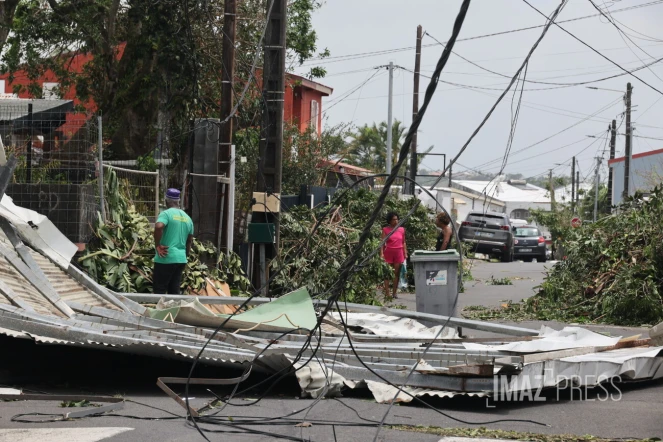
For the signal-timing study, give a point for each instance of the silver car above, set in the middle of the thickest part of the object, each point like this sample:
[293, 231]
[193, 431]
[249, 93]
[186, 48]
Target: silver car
[529, 243]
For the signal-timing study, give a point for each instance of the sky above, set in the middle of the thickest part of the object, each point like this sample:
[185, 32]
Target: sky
[348, 27]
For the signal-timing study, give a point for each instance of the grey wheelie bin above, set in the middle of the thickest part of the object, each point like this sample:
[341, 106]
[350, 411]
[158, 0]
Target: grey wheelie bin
[436, 281]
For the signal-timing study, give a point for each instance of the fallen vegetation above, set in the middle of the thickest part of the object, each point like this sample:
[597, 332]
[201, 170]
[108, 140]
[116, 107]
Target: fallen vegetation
[120, 256]
[316, 265]
[612, 272]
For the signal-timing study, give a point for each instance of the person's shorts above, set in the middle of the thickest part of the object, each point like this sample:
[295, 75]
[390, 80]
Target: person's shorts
[394, 256]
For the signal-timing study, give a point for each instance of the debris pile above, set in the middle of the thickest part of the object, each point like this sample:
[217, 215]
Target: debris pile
[396, 354]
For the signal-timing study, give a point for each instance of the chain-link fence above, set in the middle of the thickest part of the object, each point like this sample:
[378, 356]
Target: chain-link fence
[56, 151]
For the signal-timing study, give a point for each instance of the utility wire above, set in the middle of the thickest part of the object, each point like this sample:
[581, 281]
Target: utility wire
[580, 83]
[494, 34]
[596, 51]
[609, 105]
[623, 34]
[554, 15]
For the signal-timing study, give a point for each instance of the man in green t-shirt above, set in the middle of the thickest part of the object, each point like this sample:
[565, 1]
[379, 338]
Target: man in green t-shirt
[173, 235]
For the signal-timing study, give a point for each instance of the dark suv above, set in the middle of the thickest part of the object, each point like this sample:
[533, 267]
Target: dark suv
[488, 233]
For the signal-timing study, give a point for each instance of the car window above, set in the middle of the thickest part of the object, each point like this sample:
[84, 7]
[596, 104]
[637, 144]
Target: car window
[487, 219]
[527, 231]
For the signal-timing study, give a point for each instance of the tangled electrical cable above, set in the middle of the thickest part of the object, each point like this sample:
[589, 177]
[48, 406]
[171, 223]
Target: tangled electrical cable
[349, 265]
[550, 21]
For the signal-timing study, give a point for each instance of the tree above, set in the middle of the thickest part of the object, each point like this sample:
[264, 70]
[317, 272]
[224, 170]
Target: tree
[154, 65]
[368, 146]
[586, 206]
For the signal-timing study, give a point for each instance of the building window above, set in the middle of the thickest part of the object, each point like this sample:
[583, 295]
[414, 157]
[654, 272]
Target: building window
[520, 214]
[314, 116]
[50, 91]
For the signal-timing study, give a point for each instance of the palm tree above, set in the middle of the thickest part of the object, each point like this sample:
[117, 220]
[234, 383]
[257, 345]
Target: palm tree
[368, 147]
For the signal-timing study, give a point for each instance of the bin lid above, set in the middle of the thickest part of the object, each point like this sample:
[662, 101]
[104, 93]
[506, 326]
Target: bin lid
[430, 255]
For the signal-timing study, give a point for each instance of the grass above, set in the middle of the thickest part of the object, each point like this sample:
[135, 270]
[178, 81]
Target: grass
[486, 433]
[509, 311]
[499, 281]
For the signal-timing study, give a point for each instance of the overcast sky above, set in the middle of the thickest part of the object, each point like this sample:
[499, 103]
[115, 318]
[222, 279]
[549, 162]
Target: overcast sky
[358, 26]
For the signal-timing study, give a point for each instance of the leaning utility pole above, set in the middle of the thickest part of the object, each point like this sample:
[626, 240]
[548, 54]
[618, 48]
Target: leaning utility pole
[596, 191]
[613, 139]
[271, 134]
[629, 134]
[389, 116]
[415, 111]
[573, 185]
[226, 130]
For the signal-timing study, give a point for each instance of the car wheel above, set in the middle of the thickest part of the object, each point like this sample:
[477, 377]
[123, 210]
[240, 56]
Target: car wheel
[542, 258]
[507, 257]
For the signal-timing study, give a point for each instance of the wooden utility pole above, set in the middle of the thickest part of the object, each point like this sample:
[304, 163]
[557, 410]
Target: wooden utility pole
[629, 134]
[552, 190]
[415, 111]
[226, 129]
[573, 185]
[613, 139]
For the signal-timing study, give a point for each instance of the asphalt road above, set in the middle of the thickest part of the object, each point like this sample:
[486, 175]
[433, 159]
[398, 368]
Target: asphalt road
[634, 411]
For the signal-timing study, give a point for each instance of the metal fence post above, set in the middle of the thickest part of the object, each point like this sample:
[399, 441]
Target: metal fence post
[231, 202]
[156, 198]
[100, 177]
[28, 161]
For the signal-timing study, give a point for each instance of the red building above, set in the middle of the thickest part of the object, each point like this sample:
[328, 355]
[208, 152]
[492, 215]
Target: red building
[302, 102]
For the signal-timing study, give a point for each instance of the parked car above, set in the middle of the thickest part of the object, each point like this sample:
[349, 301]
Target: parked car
[529, 243]
[488, 233]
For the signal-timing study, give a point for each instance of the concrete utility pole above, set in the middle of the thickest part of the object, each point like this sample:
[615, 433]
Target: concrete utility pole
[629, 135]
[271, 134]
[450, 176]
[573, 185]
[613, 139]
[226, 130]
[596, 192]
[415, 110]
[577, 186]
[389, 115]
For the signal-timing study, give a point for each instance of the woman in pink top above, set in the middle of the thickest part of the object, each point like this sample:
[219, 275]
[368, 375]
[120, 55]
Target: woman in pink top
[394, 251]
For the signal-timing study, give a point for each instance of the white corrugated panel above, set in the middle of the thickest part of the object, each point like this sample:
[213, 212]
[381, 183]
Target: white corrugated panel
[67, 287]
[24, 288]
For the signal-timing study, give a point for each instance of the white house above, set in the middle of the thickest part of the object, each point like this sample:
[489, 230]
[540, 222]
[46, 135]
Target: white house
[460, 202]
[518, 196]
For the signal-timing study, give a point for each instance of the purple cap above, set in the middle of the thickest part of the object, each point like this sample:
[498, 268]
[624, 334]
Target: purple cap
[172, 194]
